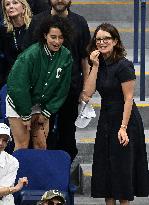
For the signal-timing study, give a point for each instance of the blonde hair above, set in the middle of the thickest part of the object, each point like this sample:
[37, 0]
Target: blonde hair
[26, 17]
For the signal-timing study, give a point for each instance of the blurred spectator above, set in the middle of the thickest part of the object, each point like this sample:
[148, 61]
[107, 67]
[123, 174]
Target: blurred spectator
[52, 197]
[17, 17]
[39, 83]
[69, 111]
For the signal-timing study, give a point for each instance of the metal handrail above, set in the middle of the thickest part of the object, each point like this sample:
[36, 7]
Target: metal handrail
[136, 31]
[142, 56]
[136, 42]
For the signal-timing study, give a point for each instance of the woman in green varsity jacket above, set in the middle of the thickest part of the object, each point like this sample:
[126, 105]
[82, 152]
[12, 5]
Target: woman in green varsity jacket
[38, 84]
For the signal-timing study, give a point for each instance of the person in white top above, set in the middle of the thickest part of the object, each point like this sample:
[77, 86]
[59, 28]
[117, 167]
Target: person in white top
[8, 170]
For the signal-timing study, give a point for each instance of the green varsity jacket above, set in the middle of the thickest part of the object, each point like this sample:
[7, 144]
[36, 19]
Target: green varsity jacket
[39, 77]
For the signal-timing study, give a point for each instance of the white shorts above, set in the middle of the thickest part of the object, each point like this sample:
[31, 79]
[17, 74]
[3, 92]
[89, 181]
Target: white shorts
[10, 112]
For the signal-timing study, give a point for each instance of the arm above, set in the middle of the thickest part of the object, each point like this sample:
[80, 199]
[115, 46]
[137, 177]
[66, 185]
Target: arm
[19, 84]
[90, 83]
[12, 189]
[85, 69]
[7, 181]
[128, 90]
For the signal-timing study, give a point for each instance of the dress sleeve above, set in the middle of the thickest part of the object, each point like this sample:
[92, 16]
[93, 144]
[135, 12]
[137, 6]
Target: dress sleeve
[126, 71]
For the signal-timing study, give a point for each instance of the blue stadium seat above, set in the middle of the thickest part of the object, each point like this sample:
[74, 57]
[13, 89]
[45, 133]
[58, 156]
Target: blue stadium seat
[45, 170]
[3, 93]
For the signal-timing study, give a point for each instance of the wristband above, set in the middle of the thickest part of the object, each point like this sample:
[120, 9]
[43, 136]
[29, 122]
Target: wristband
[124, 126]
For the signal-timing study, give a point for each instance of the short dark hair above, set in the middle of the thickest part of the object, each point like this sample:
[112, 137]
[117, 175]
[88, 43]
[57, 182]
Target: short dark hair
[4, 136]
[118, 51]
[55, 22]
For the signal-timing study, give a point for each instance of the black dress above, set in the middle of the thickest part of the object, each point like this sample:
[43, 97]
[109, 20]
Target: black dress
[118, 172]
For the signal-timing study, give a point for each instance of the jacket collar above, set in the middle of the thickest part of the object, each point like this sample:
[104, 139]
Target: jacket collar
[48, 52]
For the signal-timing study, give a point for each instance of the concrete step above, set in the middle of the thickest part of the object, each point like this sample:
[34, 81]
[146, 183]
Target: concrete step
[82, 200]
[98, 10]
[143, 107]
[85, 139]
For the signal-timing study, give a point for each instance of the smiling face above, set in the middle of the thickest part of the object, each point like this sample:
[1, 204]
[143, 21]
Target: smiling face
[105, 43]
[14, 8]
[60, 5]
[54, 39]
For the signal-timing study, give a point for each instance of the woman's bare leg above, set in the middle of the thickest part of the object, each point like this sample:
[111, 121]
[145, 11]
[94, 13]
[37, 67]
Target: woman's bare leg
[39, 133]
[110, 201]
[20, 134]
[124, 202]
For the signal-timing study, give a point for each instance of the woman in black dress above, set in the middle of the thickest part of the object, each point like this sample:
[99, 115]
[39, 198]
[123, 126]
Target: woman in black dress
[120, 168]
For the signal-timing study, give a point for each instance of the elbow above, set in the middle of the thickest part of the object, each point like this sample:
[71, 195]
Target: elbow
[129, 99]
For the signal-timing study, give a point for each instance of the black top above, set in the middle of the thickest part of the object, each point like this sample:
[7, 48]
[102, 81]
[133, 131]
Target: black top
[110, 77]
[78, 46]
[10, 47]
[38, 6]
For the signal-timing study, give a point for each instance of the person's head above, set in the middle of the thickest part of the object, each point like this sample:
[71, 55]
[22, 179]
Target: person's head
[52, 197]
[4, 136]
[13, 9]
[54, 30]
[107, 40]
[60, 6]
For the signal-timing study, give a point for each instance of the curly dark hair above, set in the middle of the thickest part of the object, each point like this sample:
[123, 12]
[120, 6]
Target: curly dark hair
[55, 22]
[118, 51]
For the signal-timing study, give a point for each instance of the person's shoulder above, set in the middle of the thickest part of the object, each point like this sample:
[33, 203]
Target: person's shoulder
[126, 70]
[77, 17]
[65, 50]
[31, 50]
[66, 54]
[29, 54]
[40, 15]
[124, 61]
[11, 159]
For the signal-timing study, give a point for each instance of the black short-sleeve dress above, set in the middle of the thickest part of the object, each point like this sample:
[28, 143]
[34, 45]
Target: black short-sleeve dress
[118, 172]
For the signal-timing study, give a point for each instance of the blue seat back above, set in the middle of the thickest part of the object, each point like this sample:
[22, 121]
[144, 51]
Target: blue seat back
[45, 169]
[3, 93]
